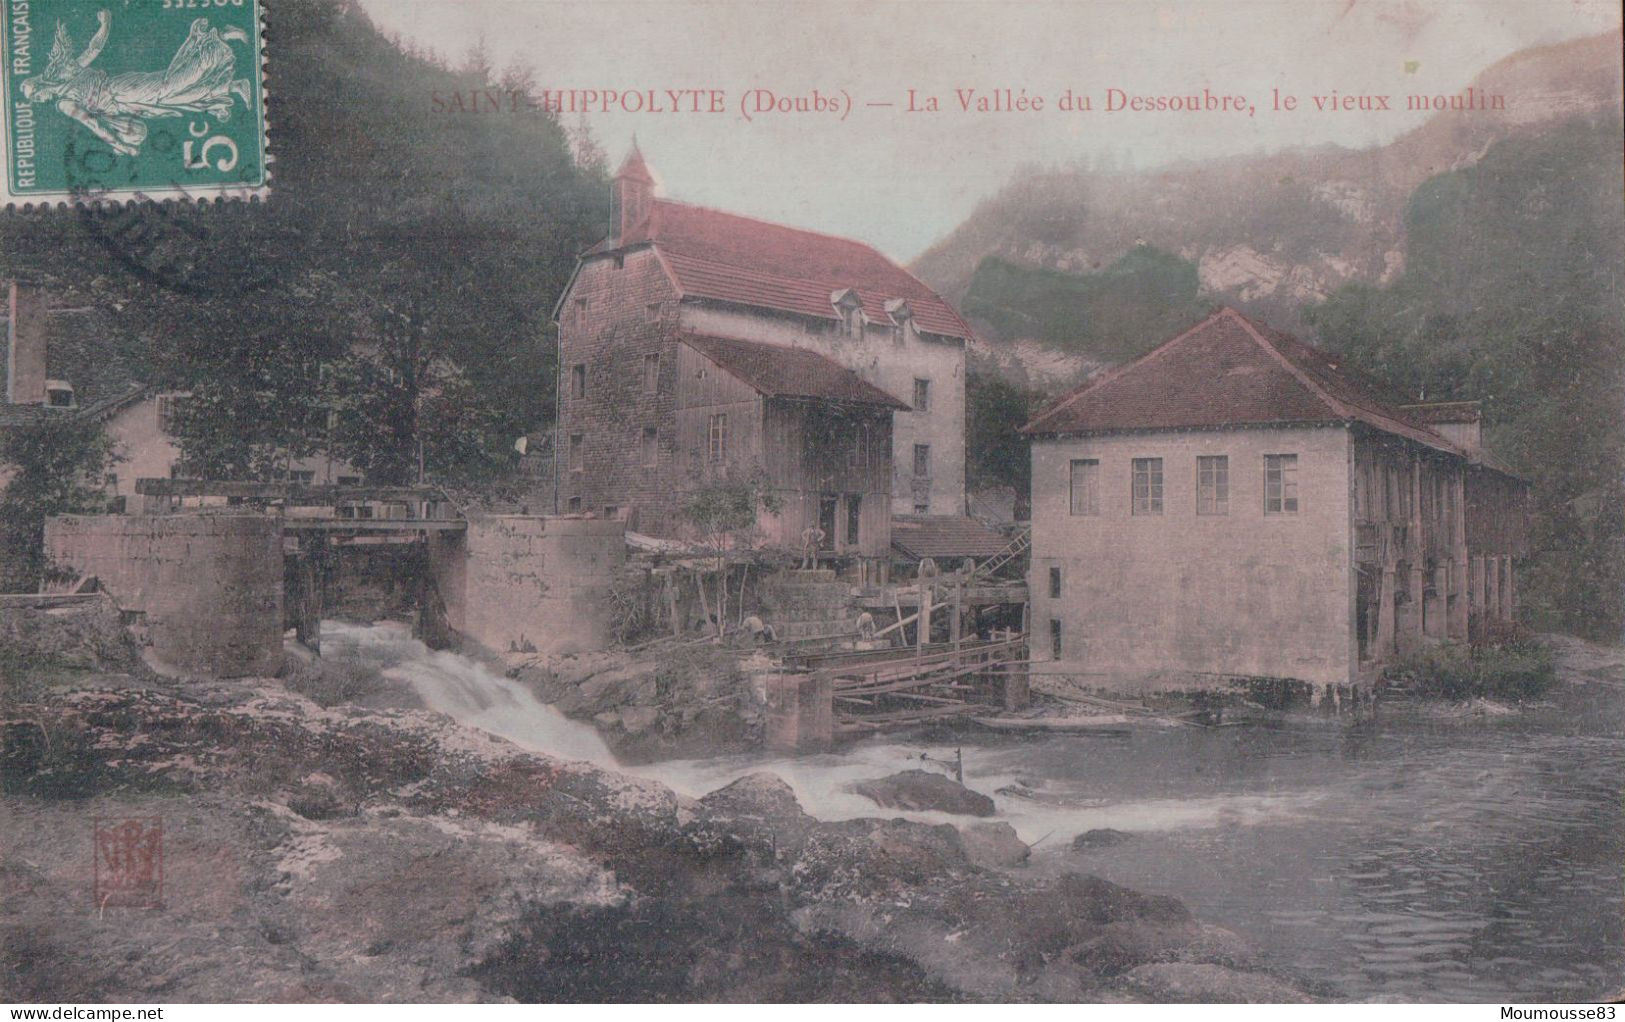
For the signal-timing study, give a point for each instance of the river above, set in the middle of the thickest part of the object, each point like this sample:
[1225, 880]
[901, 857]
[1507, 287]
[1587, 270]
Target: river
[1423, 856]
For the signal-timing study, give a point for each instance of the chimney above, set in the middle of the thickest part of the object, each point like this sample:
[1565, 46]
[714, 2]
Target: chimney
[25, 345]
[634, 191]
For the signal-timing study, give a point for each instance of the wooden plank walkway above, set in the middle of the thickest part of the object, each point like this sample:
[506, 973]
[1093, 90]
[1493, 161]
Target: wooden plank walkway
[873, 690]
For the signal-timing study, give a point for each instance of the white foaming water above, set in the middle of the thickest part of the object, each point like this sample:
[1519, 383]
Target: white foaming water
[476, 696]
[467, 691]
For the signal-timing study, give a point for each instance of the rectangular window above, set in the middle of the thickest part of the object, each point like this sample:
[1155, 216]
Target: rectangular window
[650, 447]
[651, 373]
[612, 511]
[578, 443]
[922, 509]
[1213, 485]
[854, 517]
[1055, 583]
[1085, 486]
[1280, 484]
[1147, 486]
[578, 381]
[922, 461]
[922, 395]
[651, 312]
[1054, 639]
[574, 505]
[718, 438]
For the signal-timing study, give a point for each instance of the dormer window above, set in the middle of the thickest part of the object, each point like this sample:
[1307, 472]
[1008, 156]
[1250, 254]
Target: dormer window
[849, 307]
[58, 394]
[902, 318]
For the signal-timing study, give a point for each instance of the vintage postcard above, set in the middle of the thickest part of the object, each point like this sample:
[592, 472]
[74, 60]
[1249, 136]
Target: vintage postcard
[911, 502]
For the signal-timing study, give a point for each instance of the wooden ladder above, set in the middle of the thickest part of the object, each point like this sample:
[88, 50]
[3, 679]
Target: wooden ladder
[1019, 545]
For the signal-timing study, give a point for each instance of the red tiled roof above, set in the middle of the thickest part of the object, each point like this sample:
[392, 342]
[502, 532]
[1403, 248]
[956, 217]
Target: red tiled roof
[732, 258]
[945, 536]
[1228, 371]
[633, 167]
[775, 371]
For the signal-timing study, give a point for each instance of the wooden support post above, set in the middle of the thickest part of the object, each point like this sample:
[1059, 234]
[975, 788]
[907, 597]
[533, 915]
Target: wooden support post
[922, 627]
[671, 604]
[311, 570]
[954, 624]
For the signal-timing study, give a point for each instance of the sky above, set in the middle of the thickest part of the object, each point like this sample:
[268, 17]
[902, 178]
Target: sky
[902, 179]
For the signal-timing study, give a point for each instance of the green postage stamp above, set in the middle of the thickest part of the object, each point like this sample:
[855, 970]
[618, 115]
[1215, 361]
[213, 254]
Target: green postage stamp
[115, 100]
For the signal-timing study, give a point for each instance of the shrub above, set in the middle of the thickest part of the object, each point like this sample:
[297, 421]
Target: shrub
[1508, 663]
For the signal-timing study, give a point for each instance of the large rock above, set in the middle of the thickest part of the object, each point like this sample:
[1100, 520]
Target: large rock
[993, 844]
[1103, 837]
[758, 796]
[921, 791]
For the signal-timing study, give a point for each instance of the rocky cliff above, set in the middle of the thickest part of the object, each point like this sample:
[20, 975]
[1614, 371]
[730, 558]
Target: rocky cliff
[1275, 230]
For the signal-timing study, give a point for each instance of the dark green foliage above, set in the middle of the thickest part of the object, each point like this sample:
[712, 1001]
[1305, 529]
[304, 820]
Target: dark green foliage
[997, 455]
[1514, 667]
[1115, 314]
[382, 200]
[1512, 294]
[723, 510]
[58, 462]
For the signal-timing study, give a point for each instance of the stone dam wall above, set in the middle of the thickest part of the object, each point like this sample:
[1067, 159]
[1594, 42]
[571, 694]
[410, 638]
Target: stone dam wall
[529, 582]
[206, 590]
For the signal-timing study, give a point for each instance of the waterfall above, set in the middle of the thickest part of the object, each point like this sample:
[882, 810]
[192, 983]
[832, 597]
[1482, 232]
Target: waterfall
[476, 696]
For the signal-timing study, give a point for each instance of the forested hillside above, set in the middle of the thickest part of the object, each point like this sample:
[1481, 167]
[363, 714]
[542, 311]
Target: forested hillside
[403, 267]
[1270, 230]
[1514, 294]
[1110, 315]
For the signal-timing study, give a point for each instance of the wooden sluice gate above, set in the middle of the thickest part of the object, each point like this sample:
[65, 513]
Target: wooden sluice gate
[877, 689]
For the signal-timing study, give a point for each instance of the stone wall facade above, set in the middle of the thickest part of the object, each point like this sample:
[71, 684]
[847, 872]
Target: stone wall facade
[621, 311]
[206, 590]
[528, 582]
[1163, 600]
[891, 360]
[614, 317]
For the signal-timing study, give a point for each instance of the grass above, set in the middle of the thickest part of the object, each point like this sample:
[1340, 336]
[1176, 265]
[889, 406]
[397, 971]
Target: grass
[1509, 664]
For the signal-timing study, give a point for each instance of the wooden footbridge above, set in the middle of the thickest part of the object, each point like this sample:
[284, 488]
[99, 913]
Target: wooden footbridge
[874, 690]
[318, 522]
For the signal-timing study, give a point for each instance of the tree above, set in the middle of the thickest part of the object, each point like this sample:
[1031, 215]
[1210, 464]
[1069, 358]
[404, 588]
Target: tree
[58, 464]
[477, 63]
[725, 515]
[998, 455]
[467, 225]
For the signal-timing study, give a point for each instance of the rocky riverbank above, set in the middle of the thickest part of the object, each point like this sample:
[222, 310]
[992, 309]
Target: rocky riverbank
[365, 854]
